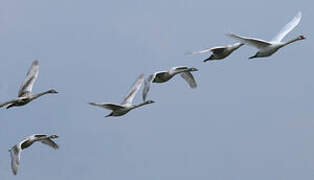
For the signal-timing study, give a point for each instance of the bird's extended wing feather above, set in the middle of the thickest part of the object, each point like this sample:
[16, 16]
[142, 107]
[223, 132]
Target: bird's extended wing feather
[198, 52]
[188, 77]
[288, 27]
[50, 143]
[112, 107]
[147, 84]
[7, 103]
[258, 43]
[134, 89]
[15, 159]
[30, 79]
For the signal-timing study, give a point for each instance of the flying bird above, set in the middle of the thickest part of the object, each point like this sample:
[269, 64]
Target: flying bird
[218, 52]
[15, 151]
[267, 48]
[164, 76]
[25, 94]
[126, 105]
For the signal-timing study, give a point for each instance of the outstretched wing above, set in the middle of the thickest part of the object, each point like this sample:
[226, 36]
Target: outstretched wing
[50, 143]
[134, 89]
[288, 27]
[112, 107]
[258, 43]
[15, 159]
[188, 77]
[30, 79]
[198, 52]
[147, 84]
[7, 103]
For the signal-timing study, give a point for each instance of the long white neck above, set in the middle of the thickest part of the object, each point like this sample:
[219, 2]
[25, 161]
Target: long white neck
[237, 46]
[34, 96]
[141, 104]
[177, 71]
[291, 41]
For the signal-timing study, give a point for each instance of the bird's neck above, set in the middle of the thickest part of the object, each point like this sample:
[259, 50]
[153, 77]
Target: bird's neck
[291, 41]
[180, 71]
[34, 96]
[237, 46]
[139, 105]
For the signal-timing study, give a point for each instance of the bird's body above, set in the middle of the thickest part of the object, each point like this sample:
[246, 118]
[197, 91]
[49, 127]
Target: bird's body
[219, 52]
[25, 94]
[15, 151]
[126, 105]
[119, 112]
[164, 76]
[267, 48]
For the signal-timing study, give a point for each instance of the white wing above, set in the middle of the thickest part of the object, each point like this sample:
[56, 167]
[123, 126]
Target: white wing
[147, 84]
[198, 52]
[30, 79]
[258, 43]
[217, 49]
[288, 27]
[134, 89]
[188, 77]
[15, 158]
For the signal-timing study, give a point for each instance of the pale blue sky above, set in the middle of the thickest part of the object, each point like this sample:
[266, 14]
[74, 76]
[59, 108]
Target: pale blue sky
[246, 120]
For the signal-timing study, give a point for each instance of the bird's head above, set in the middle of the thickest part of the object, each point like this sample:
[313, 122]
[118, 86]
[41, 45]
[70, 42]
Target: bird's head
[301, 37]
[149, 102]
[193, 69]
[54, 136]
[53, 91]
[240, 44]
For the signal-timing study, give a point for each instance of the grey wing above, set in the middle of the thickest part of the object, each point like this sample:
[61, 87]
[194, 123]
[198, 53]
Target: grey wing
[258, 43]
[7, 103]
[288, 27]
[134, 89]
[147, 84]
[30, 79]
[15, 159]
[112, 107]
[50, 143]
[188, 77]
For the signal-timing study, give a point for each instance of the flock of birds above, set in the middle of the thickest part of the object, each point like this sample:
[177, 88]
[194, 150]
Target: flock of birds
[25, 95]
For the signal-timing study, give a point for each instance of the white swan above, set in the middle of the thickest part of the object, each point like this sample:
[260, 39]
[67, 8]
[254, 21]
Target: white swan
[25, 93]
[164, 76]
[126, 105]
[218, 52]
[267, 48]
[15, 151]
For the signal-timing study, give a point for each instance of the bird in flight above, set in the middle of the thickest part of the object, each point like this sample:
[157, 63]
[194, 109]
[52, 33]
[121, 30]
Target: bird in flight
[25, 94]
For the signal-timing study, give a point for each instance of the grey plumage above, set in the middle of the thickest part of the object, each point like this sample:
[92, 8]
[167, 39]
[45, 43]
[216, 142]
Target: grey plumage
[126, 105]
[164, 76]
[15, 151]
[25, 94]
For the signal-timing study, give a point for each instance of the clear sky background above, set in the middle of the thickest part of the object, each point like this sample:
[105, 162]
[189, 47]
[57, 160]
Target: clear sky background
[248, 119]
